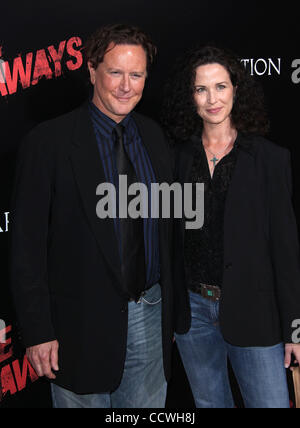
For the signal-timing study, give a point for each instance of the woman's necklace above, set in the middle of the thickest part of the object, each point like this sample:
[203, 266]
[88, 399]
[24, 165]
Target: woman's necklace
[214, 160]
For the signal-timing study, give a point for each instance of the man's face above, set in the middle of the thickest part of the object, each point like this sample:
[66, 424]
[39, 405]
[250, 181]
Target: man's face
[119, 80]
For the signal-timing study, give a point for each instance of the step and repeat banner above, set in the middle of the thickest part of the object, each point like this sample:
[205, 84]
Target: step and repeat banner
[42, 76]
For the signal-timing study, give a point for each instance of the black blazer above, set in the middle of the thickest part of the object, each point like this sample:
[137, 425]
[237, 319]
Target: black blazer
[261, 281]
[65, 268]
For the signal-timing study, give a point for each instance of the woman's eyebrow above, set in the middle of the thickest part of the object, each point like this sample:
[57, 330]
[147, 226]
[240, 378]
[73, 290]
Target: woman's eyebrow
[203, 86]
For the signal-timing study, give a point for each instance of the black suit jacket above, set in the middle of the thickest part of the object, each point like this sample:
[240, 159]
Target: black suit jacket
[65, 266]
[261, 281]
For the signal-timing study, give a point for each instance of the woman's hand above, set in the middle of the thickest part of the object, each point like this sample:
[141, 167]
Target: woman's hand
[290, 349]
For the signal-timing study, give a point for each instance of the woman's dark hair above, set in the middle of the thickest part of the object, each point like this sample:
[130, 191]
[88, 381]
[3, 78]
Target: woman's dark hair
[179, 113]
[119, 34]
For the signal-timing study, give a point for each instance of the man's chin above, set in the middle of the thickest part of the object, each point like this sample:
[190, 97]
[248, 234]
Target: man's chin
[124, 110]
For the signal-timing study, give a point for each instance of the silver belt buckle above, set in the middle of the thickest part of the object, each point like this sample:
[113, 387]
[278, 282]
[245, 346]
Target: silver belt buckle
[211, 292]
[141, 296]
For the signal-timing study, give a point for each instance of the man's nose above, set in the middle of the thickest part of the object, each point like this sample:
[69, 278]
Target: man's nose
[125, 83]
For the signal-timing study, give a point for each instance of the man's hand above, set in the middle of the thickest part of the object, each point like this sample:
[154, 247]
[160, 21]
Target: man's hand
[289, 350]
[44, 359]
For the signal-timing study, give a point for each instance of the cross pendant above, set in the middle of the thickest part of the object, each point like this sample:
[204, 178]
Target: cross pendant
[214, 160]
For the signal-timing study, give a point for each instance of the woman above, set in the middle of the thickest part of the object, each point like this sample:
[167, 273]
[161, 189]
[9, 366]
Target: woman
[238, 278]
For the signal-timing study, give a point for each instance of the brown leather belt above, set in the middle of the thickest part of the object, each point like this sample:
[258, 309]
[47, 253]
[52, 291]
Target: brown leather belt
[210, 292]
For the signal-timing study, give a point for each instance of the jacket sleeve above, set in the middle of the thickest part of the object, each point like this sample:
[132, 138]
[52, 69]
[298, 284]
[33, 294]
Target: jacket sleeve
[28, 242]
[285, 247]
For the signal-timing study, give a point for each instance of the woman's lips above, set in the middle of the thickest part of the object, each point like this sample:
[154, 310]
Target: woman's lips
[215, 110]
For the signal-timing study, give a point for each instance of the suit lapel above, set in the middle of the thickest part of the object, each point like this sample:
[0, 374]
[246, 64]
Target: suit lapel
[242, 194]
[159, 165]
[89, 173]
[162, 175]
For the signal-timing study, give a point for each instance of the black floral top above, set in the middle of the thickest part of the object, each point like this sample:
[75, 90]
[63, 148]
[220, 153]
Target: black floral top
[204, 247]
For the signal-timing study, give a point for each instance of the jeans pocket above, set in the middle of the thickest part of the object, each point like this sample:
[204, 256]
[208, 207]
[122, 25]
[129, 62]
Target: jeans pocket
[153, 296]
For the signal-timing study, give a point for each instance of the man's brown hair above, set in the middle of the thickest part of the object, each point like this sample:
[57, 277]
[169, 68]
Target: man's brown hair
[119, 34]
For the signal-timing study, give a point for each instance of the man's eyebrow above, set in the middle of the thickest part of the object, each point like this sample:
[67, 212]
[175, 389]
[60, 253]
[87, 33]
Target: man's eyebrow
[118, 69]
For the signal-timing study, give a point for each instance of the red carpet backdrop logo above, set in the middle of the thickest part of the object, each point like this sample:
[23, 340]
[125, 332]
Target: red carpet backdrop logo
[4, 222]
[15, 374]
[263, 66]
[26, 70]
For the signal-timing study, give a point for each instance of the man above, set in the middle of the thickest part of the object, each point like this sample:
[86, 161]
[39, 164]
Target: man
[89, 292]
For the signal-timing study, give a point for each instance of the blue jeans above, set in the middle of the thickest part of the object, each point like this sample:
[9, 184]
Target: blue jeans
[143, 384]
[259, 371]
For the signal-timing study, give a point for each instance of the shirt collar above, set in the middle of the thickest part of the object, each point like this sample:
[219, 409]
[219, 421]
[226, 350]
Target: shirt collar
[104, 123]
[243, 142]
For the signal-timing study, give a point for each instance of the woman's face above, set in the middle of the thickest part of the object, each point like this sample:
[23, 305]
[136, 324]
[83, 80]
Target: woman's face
[214, 93]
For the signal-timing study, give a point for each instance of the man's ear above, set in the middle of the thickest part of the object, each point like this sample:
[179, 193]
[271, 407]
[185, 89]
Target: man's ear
[92, 73]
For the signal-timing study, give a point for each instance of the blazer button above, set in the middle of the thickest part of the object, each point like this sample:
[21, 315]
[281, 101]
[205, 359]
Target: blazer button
[124, 309]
